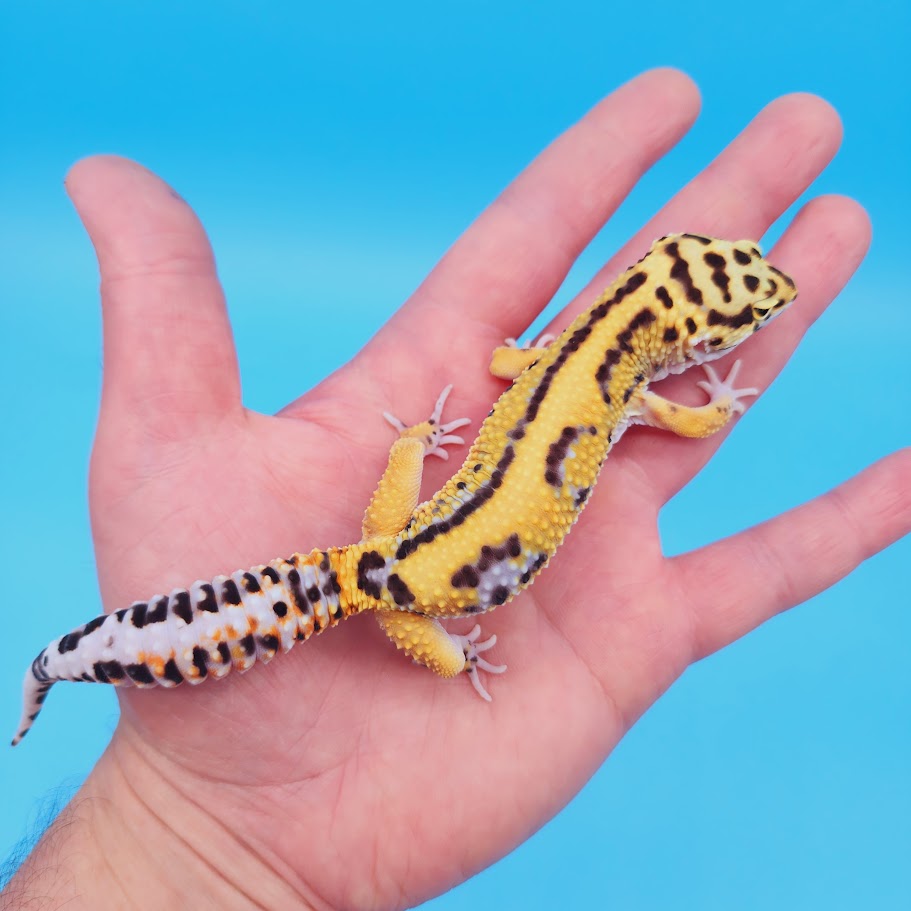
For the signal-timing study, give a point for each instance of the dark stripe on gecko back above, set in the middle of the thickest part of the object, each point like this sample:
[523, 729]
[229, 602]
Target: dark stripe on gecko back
[485, 492]
[720, 278]
[613, 356]
[680, 272]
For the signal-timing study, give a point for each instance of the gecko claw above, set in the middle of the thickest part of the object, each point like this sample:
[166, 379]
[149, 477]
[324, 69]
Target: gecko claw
[474, 663]
[541, 342]
[718, 389]
[433, 434]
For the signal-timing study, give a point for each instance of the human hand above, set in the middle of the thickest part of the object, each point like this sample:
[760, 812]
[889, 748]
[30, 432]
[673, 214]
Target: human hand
[340, 775]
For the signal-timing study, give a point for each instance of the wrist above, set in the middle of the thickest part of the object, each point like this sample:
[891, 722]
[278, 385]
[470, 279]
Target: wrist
[131, 839]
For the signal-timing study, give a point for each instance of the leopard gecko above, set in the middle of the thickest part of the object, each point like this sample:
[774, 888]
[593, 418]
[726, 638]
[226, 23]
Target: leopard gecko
[495, 524]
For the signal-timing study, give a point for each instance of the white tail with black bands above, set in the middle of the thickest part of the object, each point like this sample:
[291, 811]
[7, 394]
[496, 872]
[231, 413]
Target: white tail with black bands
[195, 633]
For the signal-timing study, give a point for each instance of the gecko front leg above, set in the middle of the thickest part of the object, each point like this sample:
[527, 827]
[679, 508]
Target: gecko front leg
[725, 400]
[510, 359]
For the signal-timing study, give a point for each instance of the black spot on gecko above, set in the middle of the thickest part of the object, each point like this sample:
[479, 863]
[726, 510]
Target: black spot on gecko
[172, 672]
[743, 318]
[743, 258]
[297, 592]
[158, 610]
[269, 642]
[230, 593]
[224, 652]
[313, 594]
[400, 592]
[671, 334]
[272, 575]
[99, 672]
[466, 577]
[207, 602]
[690, 325]
[139, 673]
[113, 670]
[200, 661]
[69, 643]
[635, 282]
[500, 594]
[719, 276]
[705, 241]
[332, 587]
[280, 609]
[680, 272]
[251, 584]
[92, 625]
[664, 297]
[248, 644]
[557, 453]
[138, 614]
[371, 560]
[751, 282]
[181, 607]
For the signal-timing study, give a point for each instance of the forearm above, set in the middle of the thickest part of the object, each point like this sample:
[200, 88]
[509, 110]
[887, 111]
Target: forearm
[129, 839]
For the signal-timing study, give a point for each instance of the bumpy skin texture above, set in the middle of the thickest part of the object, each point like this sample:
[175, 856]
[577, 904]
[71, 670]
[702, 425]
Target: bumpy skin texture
[484, 536]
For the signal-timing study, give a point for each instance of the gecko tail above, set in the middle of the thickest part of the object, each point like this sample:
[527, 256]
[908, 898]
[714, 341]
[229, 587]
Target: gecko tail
[194, 634]
[35, 688]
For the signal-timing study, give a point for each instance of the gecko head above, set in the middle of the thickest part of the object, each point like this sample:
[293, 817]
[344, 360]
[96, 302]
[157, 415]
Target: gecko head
[739, 291]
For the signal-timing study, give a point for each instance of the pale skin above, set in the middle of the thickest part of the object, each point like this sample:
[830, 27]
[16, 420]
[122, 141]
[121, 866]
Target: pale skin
[342, 776]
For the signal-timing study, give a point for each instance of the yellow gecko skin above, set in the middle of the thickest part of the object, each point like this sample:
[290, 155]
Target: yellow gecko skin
[496, 523]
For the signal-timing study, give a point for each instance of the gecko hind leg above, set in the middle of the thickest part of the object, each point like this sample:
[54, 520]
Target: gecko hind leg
[399, 489]
[447, 654]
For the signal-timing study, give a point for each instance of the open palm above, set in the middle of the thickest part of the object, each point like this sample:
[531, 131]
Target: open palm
[342, 775]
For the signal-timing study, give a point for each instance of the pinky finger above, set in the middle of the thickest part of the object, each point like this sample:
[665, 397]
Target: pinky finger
[774, 566]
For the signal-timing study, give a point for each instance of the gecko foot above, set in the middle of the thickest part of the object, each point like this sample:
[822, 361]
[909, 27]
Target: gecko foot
[434, 435]
[719, 389]
[474, 663]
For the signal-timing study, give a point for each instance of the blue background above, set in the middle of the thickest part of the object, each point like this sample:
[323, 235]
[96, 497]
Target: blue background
[334, 155]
